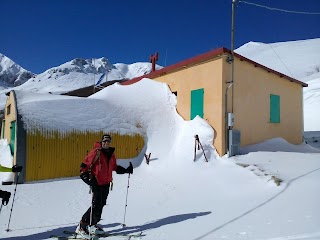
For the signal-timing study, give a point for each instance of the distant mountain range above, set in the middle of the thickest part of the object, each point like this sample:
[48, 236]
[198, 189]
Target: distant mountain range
[69, 76]
[75, 74]
[297, 59]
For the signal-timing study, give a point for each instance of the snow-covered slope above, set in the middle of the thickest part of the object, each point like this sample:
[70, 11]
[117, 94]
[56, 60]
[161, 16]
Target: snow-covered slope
[72, 75]
[69, 76]
[11, 74]
[135, 69]
[80, 73]
[297, 59]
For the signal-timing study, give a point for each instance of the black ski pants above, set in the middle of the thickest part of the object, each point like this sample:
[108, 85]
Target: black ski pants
[99, 199]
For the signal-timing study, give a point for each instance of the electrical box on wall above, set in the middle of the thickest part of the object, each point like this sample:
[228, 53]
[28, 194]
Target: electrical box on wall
[230, 119]
[234, 142]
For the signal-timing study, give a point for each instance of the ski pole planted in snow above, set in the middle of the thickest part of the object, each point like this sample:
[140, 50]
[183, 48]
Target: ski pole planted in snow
[91, 210]
[125, 208]
[15, 190]
[198, 143]
[1, 207]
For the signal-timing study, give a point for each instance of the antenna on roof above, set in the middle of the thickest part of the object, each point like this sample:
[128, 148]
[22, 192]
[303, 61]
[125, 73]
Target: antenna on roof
[94, 76]
[165, 61]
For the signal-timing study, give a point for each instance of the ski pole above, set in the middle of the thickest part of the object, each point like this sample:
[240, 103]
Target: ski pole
[91, 212]
[125, 208]
[1, 207]
[15, 190]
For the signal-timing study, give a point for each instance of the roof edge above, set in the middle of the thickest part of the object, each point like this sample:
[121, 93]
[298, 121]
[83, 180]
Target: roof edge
[179, 65]
[202, 58]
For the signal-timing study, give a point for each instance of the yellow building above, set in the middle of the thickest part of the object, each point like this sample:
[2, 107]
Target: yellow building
[55, 147]
[259, 102]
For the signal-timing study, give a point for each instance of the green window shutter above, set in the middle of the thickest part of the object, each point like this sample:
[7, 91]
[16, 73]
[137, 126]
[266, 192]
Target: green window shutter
[274, 108]
[197, 99]
[12, 136]
[3, 127]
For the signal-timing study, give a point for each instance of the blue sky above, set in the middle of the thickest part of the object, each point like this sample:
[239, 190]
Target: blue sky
[41, 34]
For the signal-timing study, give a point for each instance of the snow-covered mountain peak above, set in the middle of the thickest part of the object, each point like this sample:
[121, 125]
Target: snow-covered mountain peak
[100, 65]
[94, 66]
[76, 74]
[11, 74]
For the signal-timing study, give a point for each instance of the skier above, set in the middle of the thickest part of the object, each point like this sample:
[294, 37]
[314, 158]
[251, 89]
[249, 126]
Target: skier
[96, 171]
[4, 194]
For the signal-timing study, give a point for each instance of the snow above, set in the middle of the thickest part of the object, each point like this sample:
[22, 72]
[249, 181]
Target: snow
[174, 197]
[296, 59]
[11, 73]
[5, 160]
[75, 74]
[80, 73]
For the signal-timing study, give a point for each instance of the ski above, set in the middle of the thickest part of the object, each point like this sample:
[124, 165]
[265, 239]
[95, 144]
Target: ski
[65, 237]
[129, 237]
[73, 235]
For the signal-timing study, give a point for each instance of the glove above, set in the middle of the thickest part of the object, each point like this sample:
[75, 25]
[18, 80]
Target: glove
[121, 170]
[129, 169]
[5, 197]
[85, 176]
[88, 179]
[16, 168]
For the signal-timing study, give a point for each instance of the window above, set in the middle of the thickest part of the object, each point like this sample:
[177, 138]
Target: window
[274, 108]
[9, 109]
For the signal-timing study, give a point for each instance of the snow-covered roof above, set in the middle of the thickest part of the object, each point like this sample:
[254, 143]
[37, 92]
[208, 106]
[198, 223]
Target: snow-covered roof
[123, 109]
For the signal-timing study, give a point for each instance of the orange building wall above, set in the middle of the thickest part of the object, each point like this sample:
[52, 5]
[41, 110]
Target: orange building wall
[251, 103]
[206, 75]
[252, 89]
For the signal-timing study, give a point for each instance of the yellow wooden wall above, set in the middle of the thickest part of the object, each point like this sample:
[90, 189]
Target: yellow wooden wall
[52, 154]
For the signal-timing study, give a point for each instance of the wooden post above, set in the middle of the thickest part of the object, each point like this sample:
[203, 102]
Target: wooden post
[147, 158]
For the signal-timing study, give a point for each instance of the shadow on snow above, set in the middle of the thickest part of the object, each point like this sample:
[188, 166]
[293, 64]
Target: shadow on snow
[126, 230]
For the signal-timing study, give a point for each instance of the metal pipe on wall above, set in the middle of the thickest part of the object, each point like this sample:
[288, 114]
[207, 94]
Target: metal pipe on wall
[231, 82]
[226, 117]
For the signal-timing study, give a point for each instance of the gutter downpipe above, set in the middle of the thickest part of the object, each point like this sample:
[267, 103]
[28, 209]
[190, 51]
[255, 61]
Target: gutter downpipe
[230, 60]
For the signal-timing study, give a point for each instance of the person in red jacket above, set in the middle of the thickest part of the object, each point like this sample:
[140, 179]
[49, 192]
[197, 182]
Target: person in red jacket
[96, 170]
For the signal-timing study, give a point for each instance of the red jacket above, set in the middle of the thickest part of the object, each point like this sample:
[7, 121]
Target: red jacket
[103, 167]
